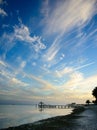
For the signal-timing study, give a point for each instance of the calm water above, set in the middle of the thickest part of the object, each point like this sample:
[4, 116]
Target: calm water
[14, 115]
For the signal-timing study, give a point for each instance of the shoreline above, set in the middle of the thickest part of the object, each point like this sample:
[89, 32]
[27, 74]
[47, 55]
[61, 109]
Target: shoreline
[71, 121]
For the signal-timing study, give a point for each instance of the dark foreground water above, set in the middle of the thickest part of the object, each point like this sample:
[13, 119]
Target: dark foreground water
[14, 115]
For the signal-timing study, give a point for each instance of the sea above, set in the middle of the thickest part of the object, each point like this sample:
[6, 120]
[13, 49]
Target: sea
[15, 115]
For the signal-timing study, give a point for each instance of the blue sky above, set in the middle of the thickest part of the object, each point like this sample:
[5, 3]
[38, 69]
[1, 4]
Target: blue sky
[48, 50]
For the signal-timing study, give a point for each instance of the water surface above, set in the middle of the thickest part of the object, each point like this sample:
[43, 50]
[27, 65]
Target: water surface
[14, 115]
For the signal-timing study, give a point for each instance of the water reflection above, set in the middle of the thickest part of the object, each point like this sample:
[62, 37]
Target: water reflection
[13, 115]
[41, 109]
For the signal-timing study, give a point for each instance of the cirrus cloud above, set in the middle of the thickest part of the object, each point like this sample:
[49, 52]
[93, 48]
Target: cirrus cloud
[69, 14]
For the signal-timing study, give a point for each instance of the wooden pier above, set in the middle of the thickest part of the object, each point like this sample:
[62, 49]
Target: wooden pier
[42, 105]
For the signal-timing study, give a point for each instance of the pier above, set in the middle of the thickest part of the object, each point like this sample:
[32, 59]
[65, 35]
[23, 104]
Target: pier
[67, 106]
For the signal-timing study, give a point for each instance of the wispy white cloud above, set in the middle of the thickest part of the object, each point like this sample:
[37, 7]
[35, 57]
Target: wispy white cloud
[22, 33]
[85, 65]
[23, 64]
[51, 52]
[50, 56]
[10, 76]
[15, 81]
[2, 12]
[69, 14]
[69, 70]
[45, 85]
[75, 79]
[5, 71]
[18, 88]
[80, 85]
[76, 88]
[66, 70]
[2, 63]
[84, 37]
[62, 20]
[65, 16]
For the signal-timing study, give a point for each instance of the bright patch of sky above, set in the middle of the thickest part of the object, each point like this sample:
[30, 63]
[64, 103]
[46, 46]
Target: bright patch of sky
[48, 50]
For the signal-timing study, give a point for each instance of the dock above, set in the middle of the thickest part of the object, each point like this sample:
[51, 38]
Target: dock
[67, 106]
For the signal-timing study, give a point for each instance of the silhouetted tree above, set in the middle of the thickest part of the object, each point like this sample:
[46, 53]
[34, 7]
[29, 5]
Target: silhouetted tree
[88, 101]
[93, 101]
[94, 93]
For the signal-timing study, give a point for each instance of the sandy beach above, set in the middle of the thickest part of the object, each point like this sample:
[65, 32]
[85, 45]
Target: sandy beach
[82, 118]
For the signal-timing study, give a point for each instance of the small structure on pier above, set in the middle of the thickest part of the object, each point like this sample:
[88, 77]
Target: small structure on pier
[41, 105]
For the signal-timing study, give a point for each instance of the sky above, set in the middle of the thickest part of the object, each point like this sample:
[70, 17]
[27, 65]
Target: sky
[48, 51]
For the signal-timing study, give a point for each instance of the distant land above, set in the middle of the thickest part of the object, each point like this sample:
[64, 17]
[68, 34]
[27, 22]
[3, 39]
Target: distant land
[15, 103]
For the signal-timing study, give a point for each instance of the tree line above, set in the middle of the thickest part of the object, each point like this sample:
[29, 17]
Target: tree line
[94, 93]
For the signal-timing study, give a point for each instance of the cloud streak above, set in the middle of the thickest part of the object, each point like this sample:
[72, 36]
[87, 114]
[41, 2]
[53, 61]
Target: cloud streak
[70, 14]
[69, 70]
[6, 72]
[2, 12]
[52, 51]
